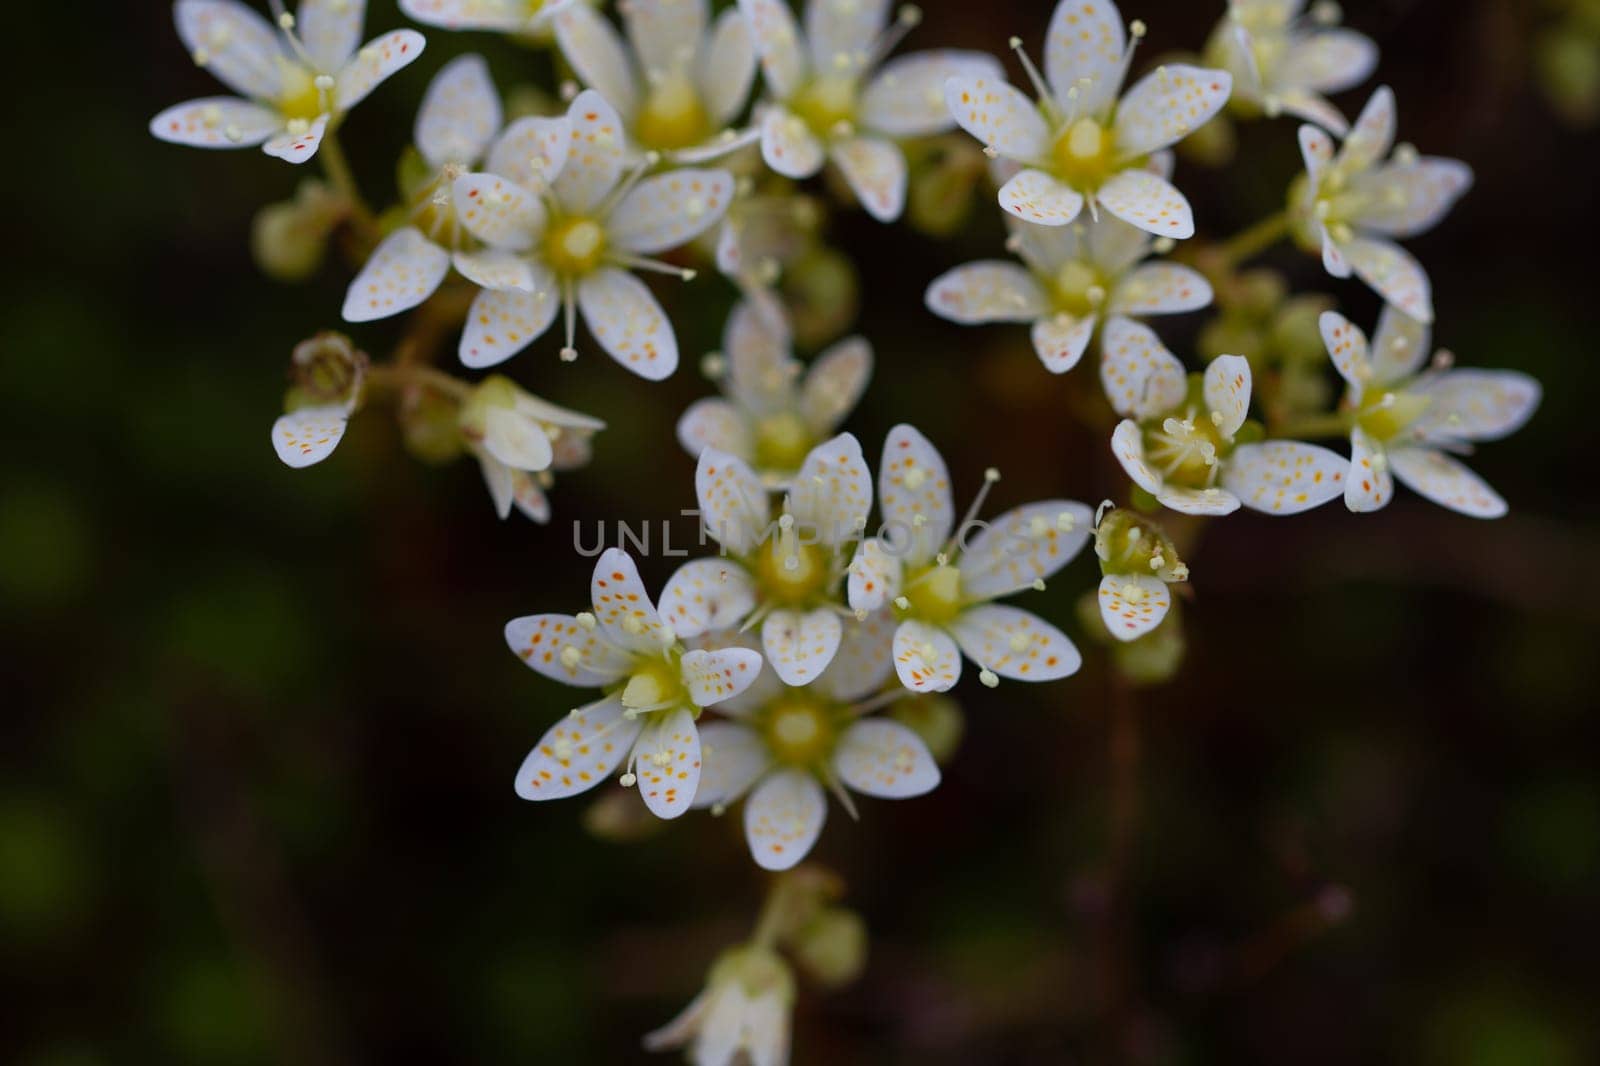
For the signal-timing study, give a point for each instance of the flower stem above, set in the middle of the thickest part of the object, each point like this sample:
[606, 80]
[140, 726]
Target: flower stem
[1251, 242]
[413, 375]
[775, 916]
[337, 167]
[1334, 424]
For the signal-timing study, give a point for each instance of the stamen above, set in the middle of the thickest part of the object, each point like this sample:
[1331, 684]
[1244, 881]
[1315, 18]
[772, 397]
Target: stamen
[989, 678]
[655, 266]
[990, 477]
[635, 173]
[906, 20]
[1041, 88]
[569, 302]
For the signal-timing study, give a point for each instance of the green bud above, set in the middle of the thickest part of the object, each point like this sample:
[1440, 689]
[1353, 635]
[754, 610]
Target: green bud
[937, 719]
[1156, 657]
[1232, 334]
[1258, 293]
[1297, 332]
[619, 818]
[413, 174]
[289, 240]
[1212, 145]
[430, 423]
[822, 292]
[1568, 67]
[943, 177]
[760, 971]
[326, 369]
[832, 947]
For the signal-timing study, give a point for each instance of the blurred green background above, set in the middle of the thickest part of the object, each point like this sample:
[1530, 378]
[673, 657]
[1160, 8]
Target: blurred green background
[260, 725]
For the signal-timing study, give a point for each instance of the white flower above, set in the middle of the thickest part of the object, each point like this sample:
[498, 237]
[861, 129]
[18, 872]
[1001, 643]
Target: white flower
[1138, 561]
[760, 237]
[1406, 423]
[527, 18]
[940, 577]
[783, 572]
[775, 411]
[682, 82]
[1080, 143]
[1282, 61]
[459, 118]
[828, 105]
[564, 217]
[783, 745]
[745, 1007]
[1071, 279]
[293, 80]
[1180, 443]
[1353, 202]
[517, 438]
[654, 688]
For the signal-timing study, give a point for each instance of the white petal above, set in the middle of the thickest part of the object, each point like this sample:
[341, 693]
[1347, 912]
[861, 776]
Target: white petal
[1331, 61]
[1393, 274]
[628, 322]
[1085, 41]
[729, 67]
[330, 30]
[831, 495]
[926, 658]
[834, 384]
[1316, 150]
[498, 211]
[1303, 103]
[914, 496]
[991, 290]
[799, 646]
[733, 502]
[1015, 643]
[1036, 197]
[1333, 260]
[788, 145]
[878, 757]
[670, 210]
[1368, 486]
[239, 47]
[1142, 379]
[783, 818]
[1446, 481]
[622, 606]
[520, 443]
[216, 122]
[1410, 198]
[1476, 405]
[714, 423]
[598, 56]
[707, 595]
[540, 639]
[376, 62]
[778, 43]
[665, 34]
[733, 757]
[404, 270]
[760, 369]
[529, 498]
[998, 115]
[1131, 605]
[297, 147]
[1161, 289]
[875, 575]
[875, 170]
[1198, 501]
[502, 271]
[1023, 545]
[460, 114]
[1114, 246]
[1227, 392]
[532, 152]
[906, 97]
[864, 661]
[841, 33]
[667, 762]
[1347, 347]
[1284, 476]
[1046, 249]
[501, 324]
[496, 15]
[597, 155]
[1150, 202]
[714, 676]
[578, 752]
[1167, 105]
[306, 437]
[500, 480]
[1400, 345]
[1127, 444]
[1372, 135]
[1060, 340]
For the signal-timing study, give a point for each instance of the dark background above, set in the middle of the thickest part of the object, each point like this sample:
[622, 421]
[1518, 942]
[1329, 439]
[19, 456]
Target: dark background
[260, 726]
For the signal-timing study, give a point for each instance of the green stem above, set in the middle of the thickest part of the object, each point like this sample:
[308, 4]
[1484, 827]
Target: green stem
[337, 167]
[408, 375]
[775, 916]
[1256, 239]
[1336, 424]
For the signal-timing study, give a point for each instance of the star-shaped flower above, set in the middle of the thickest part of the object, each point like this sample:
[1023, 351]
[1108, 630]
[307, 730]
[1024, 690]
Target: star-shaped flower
[293, 80]
[1283, 61]
[524, 18]
[1406, 424]
[1080, 144]
[1180, 440]
[565, 217]
[678, 82]
[783, 745]
[1352, 203]
[459, 119]
[654, 691]
[940, 577]
[782, 572]
[831, 102]
[775, 411]
[1071, 279]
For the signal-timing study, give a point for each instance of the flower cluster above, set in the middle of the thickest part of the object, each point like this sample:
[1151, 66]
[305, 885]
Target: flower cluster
[808, 654]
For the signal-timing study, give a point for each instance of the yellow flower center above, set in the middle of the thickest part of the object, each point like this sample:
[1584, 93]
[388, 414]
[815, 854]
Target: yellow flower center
[933, 594]
[575, 246]
[825, 103]
[782, 442]
[1079, 289]
[300, 99]
[1084, 155]
[1187, 451]
[673, 116]
[789, 572]
[799, 730]
[1386, 415]
[655, 685]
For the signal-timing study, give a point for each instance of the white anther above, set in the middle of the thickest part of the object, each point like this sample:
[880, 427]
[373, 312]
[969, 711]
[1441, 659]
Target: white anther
[569, 355]
[286, 22]
[1066, 521]
[627, 780]
[587, 620]
[571, 657]
[989, 678]
[902, 603]
[1019, 642]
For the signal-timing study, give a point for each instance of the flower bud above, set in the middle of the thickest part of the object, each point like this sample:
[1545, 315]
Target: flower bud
[327, 370]
[938, 720]
[823, 292]
[1213, 144]
[943, 177]
[430, 423]
[1129, 543]
[290, 239]
[832, 947]
[619, 818]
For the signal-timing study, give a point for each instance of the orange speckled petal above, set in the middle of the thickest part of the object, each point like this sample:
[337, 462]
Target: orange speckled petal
[1085, 41]
[799, 646]
[1061, 339]
[788, 145]
[707, 595]
[460, 114]
[376, 62]
[926, 657]
[628, 322]
[1161, 289]
[501, 324]
[578, 752]
[670, 210]
[1023, 545]
[1141, 378]
[1393, 273]
[1227, 392]
[306, 437]
[783, 818]
[240, 48]
[1131, 605]
[875, 170]
[733, 757]
[914, 495]
[1167, 105]
[532, 151]
[1347, 347]
[875, 576]
[1446, 481]
[1036, 197]
[1015, 643]
[714, 676]
[498, 211]
[1284, 476]
[298, 147]
[733, 502]
[216, 122]
[1148, 201]
[778, 43]
[881, 758]
[540, 639]
[1368, 486]
[330, 30]
[404, 270]
[596, 157]
[623, 606]
[991, 290]
[832, 494]
[998, 115]
[667, 762]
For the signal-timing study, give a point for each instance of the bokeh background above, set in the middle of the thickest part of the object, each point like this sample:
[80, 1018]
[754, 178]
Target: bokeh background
[260, 727]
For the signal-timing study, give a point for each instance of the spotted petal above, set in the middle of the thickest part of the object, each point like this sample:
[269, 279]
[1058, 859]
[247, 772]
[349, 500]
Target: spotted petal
[1142, 379]
[714, 423]
[864, 661]
[541, 639]
[990, 290]
[778, 43]
[1148, 201]
[297, 146]
[1400, 345]
[1127, 444]
[330, 30]
[799, 646]
[875, 575]
[1369, 485]
[733, 502]
[1036, 197]
[1085, 42]
[1393, 274]
[881, 758]
[460, 114]
[622, 605]
[1015, 643]
[239, 47]
[1476, 405]
[1284, 476]
[733, 757]
[670, 210]
[306, 437]
[503, 271]
[501, 16]
[1446, 481]
[1316, 150]
[875, 170]
[1061, 339]
[216, 122]
[532, 151]
[598, 55]
[914, 496]
[760, 370]
[404, 270]
[788, 145]
[597, 155]
[1347, 347]
[906, 97]
[1167, 105]
[628, 322]
[832, 494]
[501, 324]
[926, 658]
[1372, 135]
[728, 67]
[1023, 545]
[713, 676]
[998, 115]
[1331, 61]
[498, 211]
[1131, 605]
[378, 61]
[834, 384]
[520, 443]
[1161, 289]
[667, 762]
[707, 595]
[1405, 199]
[665, 34]
[578, 752]
[1227, 392]
[783, 818]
